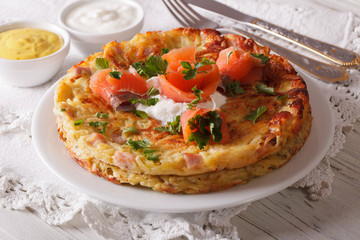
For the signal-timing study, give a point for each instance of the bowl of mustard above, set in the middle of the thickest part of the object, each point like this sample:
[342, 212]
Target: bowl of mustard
[31, 53]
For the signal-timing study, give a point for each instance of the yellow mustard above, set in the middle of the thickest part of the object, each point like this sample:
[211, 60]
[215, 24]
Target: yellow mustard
[28, 43]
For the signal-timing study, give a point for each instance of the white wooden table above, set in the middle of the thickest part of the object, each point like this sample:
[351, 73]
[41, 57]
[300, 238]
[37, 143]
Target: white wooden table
[289, 214]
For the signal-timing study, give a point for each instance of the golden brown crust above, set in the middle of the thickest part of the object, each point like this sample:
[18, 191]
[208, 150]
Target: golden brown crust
[283, 128]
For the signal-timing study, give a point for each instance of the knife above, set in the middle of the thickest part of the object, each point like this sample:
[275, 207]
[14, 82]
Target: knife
[333, 53]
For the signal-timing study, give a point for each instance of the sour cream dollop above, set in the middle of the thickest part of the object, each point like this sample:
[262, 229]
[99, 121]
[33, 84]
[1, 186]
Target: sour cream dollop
[103, 16]
[166, 109]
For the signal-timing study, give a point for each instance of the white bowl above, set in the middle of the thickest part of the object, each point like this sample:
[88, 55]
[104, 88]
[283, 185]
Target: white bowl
[88, 43]
[33, 72]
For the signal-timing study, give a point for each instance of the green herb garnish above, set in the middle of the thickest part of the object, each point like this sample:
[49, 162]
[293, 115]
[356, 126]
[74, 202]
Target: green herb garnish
[262, 88]
[264, 59]
[146, 102]
[234, 88]
[98, 124]
[133, 130]
[197, 93]
[149, 154]
[228, 56]
[153, 66]
[143, 145]
[164, 51]
[79, 122]
[205, 127]
[102, 63]
[140, 144]
[256, 114]
[189, 72]
[173, 127]
[140, 113]
[153, 91]
[115, 74]
[282, 97]
[63, 109]
[102, 115]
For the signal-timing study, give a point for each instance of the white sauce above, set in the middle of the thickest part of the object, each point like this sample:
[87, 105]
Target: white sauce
[166, 109]
[103, 16]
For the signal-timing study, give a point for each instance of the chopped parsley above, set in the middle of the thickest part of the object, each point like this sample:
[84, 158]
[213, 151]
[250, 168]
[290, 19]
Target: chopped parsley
[143, 145]
[189, 72]
[197, 93]
[153, 91]
[63, 109]
[140, 113]
[164, 51]
[140, 144]
[262, 88]
[233, 88]
[264, 59]
[102, 115]
[133, 130]
[150, 155]
[79, 122]
[147, 102]
[173, 127]
[228, 56]
[204, 128]
[102, 63]
[254, 115]
[282, 97]
[153, 66]
[115, 74]
[96, 124]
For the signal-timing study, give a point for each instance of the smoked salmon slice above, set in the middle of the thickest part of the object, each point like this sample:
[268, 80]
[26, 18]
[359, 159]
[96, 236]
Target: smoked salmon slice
[235, 64]
[190, 125]
[116, 91]
[174, 86]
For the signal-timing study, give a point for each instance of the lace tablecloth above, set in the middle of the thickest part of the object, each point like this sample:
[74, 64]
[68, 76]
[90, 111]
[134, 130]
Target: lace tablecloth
[25, 182]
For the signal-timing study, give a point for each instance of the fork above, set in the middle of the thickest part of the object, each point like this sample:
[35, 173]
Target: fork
[186, 16]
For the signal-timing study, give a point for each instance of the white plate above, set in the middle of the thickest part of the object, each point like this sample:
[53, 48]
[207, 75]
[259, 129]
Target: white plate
[55, 156]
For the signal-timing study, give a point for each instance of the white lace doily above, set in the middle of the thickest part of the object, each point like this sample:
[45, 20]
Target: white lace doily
[25, 183]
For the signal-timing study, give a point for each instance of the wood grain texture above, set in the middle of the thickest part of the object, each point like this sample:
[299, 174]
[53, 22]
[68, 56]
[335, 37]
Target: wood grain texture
[290, 214]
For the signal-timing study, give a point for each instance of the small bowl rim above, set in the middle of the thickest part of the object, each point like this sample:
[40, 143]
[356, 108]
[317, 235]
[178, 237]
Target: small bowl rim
[38, 24]
[64, 11]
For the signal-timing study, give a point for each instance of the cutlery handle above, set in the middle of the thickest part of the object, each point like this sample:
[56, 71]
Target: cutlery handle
[323, 71]
[336, 54]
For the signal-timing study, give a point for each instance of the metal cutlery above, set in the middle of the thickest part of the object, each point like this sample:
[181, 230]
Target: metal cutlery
[333, 53]
[188, 17]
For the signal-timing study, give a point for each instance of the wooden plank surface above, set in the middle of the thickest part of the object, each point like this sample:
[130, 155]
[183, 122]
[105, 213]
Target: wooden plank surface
[289, 214]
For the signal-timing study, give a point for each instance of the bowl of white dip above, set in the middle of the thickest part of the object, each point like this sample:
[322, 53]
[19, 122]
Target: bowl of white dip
[93, 23]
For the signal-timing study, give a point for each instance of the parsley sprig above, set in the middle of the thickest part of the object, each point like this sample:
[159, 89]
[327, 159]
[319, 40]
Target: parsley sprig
[205, 127]
[140, 113]
[102, 115]
[264, 59]
[228, 56]
[146, 102]
[145, 146]
[132, 130]
[152, 91]
[173, 127]
[189, 72]
[154, 65]
[197, 93]
[233, 88]
[263, 88]
[96, 124]
[254, 115]
[115, 74]
[102, 63]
